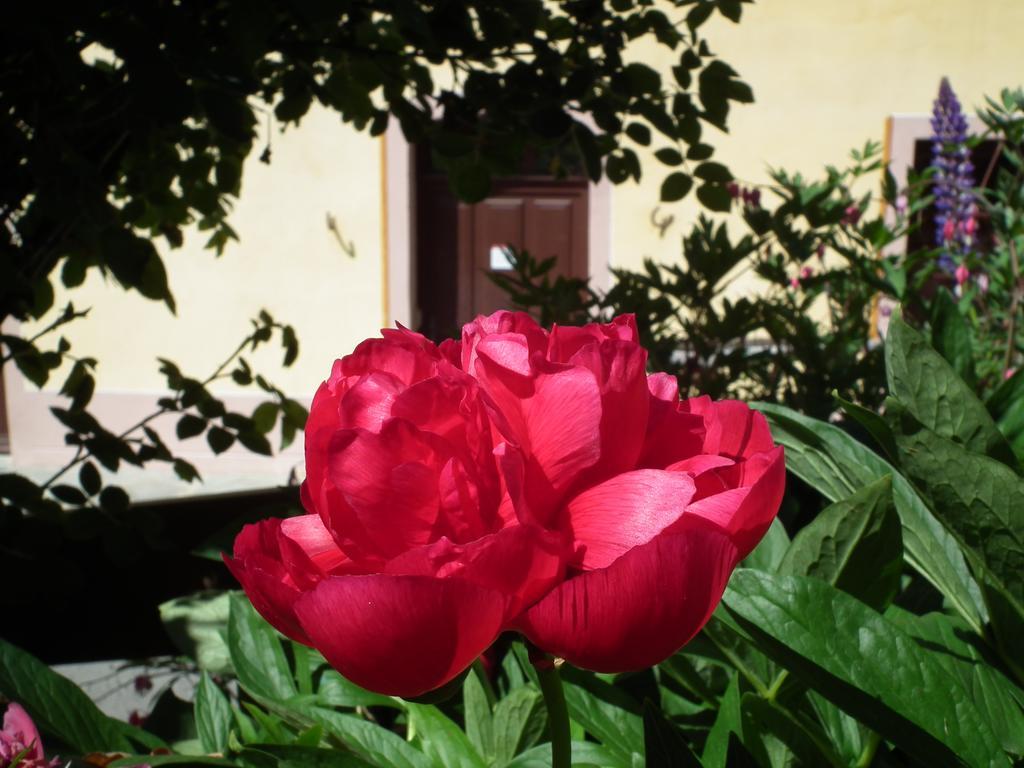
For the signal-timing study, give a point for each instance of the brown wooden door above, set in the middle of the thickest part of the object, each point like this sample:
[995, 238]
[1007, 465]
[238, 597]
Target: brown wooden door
[544, 220]
[542, 216]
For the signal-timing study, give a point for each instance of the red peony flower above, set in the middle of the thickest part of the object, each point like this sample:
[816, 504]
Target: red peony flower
[518, 479]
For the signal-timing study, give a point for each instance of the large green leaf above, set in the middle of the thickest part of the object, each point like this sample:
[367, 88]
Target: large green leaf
[337, 691]
[865, 665]
[519, 721]
[951, 335]
[728, 720]
[607, 713]
[845, 734]
[664, 745]
[378, 746]
[784, 738]
[1006, 406]
[585, 754]
[993, 694]
[770, 550]
[834, 463]
[442, 739]
[929, 388]
[297, 756]
[477, 709]
[981, 501]
[256, 653]
[58, 706]
[213, 715]
[854, 545]
[158, 760]
[196, 624]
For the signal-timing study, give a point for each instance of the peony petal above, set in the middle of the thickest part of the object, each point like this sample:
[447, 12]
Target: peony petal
[557, 427]
[400, 635]
[520, 562]
[639, 610]
[389, 482]
[620, 370]
[323, 422]
[308, 550]
[403, 354]
[501, 322]
[268, 585]
[625, 512]
[672, 435]
[566, 341]
[746, 512]
[509, 350]
[367, 403]
[733, 429]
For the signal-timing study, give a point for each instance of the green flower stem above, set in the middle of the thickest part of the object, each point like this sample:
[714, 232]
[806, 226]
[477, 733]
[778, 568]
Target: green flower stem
[558, 713]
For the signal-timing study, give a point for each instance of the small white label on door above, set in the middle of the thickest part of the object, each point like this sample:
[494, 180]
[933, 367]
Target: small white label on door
[501, 259]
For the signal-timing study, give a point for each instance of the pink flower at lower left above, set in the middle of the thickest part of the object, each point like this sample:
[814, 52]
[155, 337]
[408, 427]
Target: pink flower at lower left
[20, 744]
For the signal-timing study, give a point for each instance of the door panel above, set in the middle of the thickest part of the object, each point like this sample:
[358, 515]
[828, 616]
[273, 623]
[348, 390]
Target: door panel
[496, 222]
[454, 242]
[547, 221]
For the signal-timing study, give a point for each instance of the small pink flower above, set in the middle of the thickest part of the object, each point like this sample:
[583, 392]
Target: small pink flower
[794, 283]
[821, 250]
[1008, 373]
[970, 226]
[734, 189]
[851, 215]
[948, 229]
[143, 683]
[19, 737]
[136, 718]
[901, 204]
[806, 272]
[961, 274]
[982, 281]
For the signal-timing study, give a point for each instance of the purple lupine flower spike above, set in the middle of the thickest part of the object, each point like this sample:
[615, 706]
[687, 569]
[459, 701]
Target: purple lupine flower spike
[954, 178]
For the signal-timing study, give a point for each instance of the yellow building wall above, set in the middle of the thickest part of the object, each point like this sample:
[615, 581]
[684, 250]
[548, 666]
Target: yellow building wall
[286, 260]
[826, 74]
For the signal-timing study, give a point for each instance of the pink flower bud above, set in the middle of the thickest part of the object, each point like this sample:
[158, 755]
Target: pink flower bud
[794, 283]
[821, 250]
[734, 189]
[806, 272]
[982, 281]
[1008, 373]
[948, 229]
[901, 204]
[961, 274]
[851, 215]
[970, 226]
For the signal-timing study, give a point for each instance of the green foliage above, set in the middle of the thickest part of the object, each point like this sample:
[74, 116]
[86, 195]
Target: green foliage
[153, 109]
[823, 653]
[903, 693]
[59, 707]
[769, 345]
[884, 632]
[854, 545]
[79, 512]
